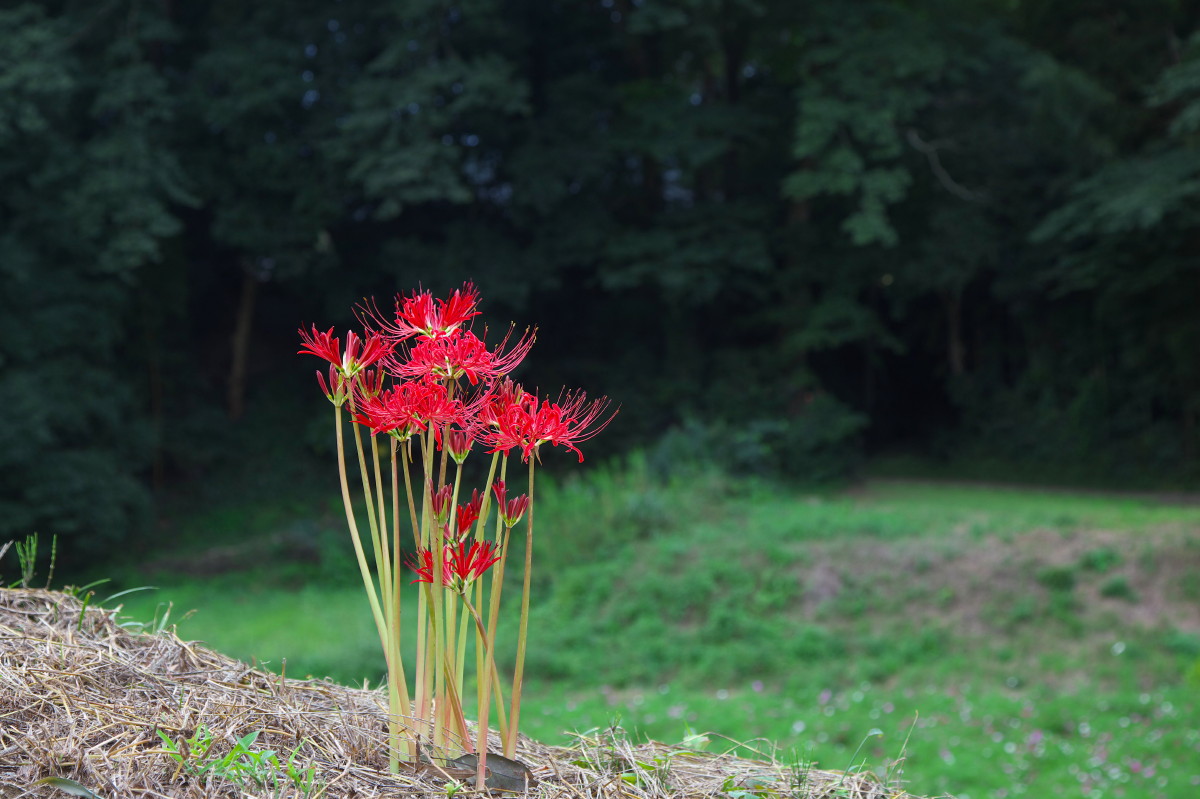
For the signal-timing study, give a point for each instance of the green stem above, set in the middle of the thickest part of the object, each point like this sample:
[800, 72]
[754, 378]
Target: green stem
[433, 531]
[514, 715]
[368, 583]
[399, 678]
[453, 650]
[364, 475]
[424, 696]
[385, 556]
[460, 664]
[412, 508]
[481, 745]
[425, 646]
[480, 535]
[494, 601]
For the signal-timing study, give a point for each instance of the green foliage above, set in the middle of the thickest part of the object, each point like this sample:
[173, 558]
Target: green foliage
[813, 444]
[85, 122]
[706, 624]
[962, 228]
[1100, 560]
[1118, 587]
[242, 765]
[1060, 579]
[852, 111]
[28, 556]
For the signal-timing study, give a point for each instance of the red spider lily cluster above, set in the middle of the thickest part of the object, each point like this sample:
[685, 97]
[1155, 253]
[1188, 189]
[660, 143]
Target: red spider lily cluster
[425, 393]
[425, 351]
[420, 379]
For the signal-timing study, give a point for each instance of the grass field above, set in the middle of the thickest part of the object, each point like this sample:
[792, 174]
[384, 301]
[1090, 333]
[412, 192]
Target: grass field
[983, 642]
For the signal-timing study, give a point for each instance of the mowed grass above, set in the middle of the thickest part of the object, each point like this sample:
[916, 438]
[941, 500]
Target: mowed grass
[983, 642]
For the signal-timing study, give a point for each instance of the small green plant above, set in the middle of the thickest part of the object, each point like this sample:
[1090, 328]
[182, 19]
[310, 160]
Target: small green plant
[1118, 588]
[1192, 675]
[241, 765]
[1021, 610]
[852, 768]
[158, 623]
[751, 787]
[799, 774]
[1057, 578]
[1100, 560]
[1189, 586]
[27, 552]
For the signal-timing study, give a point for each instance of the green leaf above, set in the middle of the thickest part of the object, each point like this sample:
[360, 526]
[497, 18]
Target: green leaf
[68, 786]
[247, 740]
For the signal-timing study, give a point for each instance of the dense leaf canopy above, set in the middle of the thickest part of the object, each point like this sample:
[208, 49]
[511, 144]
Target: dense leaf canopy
[780, 234]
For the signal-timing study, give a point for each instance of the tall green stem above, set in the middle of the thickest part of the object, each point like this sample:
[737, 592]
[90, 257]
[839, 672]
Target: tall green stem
[481, 744]
[502, 539]
[514, 715]
[399, 678]
[436, 614]
[369, 584]
[424, 674]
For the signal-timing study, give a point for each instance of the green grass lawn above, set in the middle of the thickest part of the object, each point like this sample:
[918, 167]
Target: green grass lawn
[986, 642]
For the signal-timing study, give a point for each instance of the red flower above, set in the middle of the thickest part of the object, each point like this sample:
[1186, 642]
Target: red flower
[468, 514]
[408, 408]
[336, 388]
[370, 383]
[351, 361]
[459, 354]
[496, 403]
[528, 424]
[439, 501]
[438, 409]
[458, 444]
[462, 563]
[422, 315]
[511, 510]
[395, 411]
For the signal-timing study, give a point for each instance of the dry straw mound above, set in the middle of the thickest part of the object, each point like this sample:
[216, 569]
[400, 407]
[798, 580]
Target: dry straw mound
[84, 699]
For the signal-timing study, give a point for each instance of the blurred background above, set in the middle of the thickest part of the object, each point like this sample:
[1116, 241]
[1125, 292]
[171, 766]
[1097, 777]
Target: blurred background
[805, 246]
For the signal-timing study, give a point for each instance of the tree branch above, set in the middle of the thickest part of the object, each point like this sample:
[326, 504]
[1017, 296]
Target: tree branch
[930, 151]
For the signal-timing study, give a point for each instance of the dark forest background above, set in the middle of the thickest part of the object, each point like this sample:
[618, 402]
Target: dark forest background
[787, 237]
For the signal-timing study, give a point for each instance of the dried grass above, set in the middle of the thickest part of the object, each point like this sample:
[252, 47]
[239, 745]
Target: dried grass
[83, 698]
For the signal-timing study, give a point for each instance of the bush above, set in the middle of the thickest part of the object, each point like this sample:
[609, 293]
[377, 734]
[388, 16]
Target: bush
[818, 444]
[1118, 588]
[1057, 578]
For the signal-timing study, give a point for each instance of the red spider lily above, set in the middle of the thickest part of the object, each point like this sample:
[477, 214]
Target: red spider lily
[409, 408]
[352, 360]
[458, 444]
[336, 390]
[511, 510]
[528, 424]
[323, 345]
[504, 408]
[395, 411]
[440, 502]
[438, 409]
[460, 354]
[496, 403]
[422, 315]
[462, 563]
[468, 514]
[370, 383]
